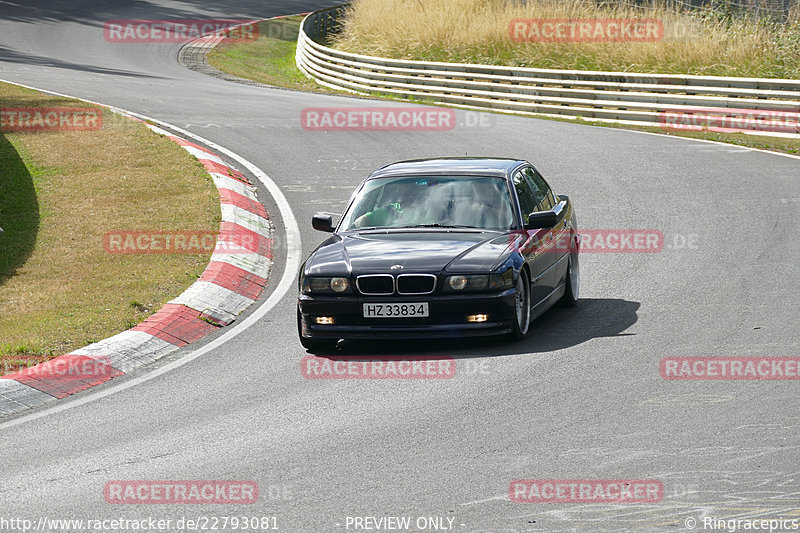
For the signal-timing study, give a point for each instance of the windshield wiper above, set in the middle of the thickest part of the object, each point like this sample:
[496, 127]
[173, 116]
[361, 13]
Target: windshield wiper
[437, 225]
[434, 225]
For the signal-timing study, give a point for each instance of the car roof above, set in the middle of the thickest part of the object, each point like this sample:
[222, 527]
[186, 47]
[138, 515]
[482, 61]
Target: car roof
[450, 166]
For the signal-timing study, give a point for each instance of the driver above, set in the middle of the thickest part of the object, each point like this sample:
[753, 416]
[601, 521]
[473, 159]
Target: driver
[405, 196]
[380, 217]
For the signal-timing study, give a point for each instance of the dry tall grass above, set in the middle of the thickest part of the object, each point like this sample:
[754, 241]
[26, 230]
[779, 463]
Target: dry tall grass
[477, 31]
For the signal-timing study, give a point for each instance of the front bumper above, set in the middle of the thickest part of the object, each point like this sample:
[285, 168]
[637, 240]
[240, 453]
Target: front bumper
[447, 316]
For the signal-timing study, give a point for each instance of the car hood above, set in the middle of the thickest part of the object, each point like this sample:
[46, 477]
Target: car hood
[414, 250]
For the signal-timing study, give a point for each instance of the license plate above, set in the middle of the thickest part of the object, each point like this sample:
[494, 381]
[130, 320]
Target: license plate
[417, 309]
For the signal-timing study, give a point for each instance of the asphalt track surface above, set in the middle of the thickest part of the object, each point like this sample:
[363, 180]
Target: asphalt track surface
[581, 398]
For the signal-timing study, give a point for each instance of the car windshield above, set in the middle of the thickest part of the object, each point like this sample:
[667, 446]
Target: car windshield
[475, 202]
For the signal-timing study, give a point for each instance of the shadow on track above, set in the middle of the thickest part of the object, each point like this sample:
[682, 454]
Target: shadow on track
[557, 329]
[12, 56]
[96, 13]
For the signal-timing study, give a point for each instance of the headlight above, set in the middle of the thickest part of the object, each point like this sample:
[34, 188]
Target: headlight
[339, 284]
[457, 283]
[480, 282]
[325, 285]
[501, 281]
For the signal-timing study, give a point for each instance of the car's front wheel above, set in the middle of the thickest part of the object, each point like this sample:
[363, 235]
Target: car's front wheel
[570, 298]
[522, 307]
[314, 345]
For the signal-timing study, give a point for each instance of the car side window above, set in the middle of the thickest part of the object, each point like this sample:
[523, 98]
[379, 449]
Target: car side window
[544, 196]
[527, 201]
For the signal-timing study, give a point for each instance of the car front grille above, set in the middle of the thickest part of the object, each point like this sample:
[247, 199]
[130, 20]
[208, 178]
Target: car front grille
[416, 283]
[405, 284]
[376, 284]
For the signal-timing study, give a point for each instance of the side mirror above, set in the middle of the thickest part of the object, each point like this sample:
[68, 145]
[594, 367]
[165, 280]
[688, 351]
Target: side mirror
[546, 219]
[541, 219]
[322, 222]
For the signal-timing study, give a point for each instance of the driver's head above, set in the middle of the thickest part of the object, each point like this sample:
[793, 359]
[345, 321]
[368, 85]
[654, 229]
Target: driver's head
[405, 192]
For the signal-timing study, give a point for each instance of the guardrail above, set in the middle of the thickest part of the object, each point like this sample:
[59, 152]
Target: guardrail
[621, 97]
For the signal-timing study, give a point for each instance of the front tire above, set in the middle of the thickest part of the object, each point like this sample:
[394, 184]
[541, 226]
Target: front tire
[573, 282]
[522, 307]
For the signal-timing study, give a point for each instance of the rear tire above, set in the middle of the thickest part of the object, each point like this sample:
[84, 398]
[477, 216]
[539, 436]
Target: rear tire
[522, 308]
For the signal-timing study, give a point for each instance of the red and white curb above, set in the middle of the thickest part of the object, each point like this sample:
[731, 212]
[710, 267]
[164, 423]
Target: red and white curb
[230, 283]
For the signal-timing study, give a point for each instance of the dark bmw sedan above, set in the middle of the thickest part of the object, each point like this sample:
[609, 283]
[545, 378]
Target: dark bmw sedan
[450, 247]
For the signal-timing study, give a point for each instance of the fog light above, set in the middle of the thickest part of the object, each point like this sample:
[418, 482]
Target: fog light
[477, 318]
[324, 320]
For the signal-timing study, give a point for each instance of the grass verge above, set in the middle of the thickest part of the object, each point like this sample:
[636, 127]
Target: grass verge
[760, 142]
[270, 59]
[60, 192]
